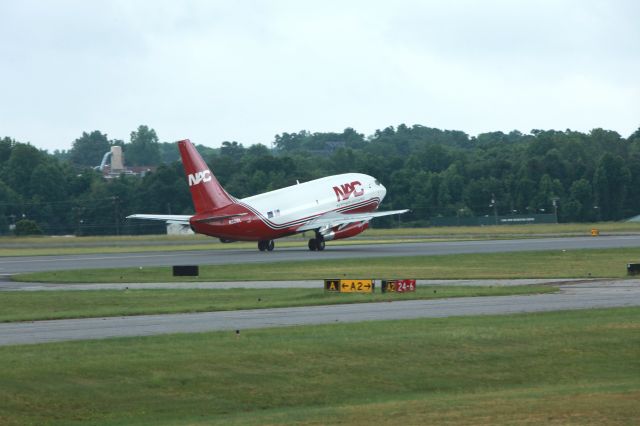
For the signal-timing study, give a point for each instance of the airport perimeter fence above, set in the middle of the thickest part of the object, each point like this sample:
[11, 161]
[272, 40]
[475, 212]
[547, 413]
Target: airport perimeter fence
[494, 220]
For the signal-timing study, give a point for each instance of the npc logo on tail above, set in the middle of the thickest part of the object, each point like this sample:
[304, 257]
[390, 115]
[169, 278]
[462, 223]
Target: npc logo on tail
[196, 178]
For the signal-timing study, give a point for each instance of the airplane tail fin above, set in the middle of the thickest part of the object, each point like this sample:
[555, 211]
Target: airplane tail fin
[206, 191]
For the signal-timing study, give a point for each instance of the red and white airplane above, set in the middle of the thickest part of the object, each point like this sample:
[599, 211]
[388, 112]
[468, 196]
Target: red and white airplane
[334, 207]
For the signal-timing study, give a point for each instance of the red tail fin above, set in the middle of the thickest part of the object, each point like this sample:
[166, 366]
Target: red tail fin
[206, 192]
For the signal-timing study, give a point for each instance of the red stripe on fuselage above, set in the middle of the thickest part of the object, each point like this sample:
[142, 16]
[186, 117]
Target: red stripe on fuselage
[252, 226]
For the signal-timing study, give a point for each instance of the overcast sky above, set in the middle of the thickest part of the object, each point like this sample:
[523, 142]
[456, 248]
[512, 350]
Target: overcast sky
[248, 70]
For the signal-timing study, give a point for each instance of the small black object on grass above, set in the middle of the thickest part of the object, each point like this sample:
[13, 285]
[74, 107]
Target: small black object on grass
[633, 268]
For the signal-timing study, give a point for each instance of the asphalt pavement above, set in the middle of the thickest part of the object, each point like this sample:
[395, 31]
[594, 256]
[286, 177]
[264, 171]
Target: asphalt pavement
[12, 265]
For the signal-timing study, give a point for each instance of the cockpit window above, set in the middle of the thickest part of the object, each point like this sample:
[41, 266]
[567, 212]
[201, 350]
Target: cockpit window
[377, 182]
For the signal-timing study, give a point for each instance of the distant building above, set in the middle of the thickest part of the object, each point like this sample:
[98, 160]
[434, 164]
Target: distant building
[117, 158]
[112, 165]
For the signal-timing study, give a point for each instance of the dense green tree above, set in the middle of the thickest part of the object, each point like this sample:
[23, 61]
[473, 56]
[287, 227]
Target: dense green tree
[164, 191]
[290, 141]
[17, 170]
[169, 152]
[143, 149]
[27, 227]
[6, 144]
[478, 195]
[318, 143]
[89, 149]
[10, 207]
[610, 184]
[343, 160]
[580, 205]
[433, 172]
[47, 182]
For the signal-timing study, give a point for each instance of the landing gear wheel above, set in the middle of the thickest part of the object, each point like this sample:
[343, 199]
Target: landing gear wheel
[267, 245]
[316, 244]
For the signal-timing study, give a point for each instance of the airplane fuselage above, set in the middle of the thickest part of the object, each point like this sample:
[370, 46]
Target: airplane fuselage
[279, 213]
[333, 207]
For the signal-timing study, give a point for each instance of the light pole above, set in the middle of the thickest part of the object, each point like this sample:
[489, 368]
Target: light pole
[12, 225]
[495, 207]
[554, 200]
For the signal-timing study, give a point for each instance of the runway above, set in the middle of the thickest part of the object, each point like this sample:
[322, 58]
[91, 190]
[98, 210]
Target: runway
[13, 265]
[602, 294]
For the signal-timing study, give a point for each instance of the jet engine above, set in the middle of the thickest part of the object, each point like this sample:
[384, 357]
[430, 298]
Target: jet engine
[344, 231]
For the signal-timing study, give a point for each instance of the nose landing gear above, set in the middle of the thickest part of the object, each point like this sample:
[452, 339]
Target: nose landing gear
[267, 245]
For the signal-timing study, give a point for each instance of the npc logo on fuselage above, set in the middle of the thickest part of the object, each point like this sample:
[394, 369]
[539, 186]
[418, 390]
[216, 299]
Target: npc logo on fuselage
[197, 177]
[344, 191]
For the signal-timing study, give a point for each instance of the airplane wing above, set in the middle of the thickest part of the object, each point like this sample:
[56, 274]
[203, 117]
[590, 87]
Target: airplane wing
[169, 218]
[332, 219]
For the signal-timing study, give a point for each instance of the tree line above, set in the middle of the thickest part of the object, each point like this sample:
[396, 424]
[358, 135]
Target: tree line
[589, 176]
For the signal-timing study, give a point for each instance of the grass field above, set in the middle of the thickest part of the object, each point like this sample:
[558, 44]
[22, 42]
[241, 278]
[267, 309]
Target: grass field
[606, 263]
[43, 305]
[579, 367]
[34, 246]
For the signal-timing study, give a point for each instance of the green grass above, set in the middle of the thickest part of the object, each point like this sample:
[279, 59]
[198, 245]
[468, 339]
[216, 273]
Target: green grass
[579, 367]
[540, 264]
[43, 305]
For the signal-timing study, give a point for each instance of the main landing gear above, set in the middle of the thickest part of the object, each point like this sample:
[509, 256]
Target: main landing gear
[267, 245]
[316, 244]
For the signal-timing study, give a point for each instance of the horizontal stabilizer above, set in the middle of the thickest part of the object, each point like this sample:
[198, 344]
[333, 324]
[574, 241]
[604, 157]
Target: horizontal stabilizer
[169, 218]
[216, 218]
